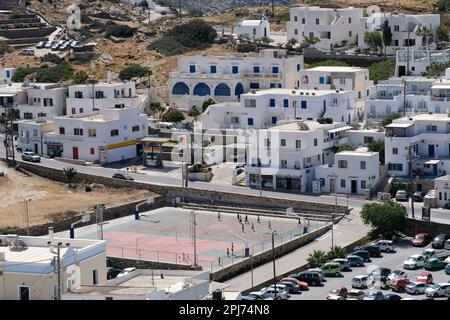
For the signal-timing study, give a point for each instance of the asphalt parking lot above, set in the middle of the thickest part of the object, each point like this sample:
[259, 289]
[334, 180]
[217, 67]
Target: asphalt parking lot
[393, 261]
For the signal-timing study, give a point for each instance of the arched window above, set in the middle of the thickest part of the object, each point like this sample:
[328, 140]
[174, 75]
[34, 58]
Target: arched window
[180, 88]
[239, 90]
[222, 90]
[202, 89]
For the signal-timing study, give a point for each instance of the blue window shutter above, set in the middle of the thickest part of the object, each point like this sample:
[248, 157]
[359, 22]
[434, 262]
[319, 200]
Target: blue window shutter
[321, 80]
[235, 69]
[286, 103]
[274, 69]
[192, 68]
[213, 69]
[272, 102]
[367, 92]
[250, 121]
[256, 69]
[359, 94]
[303, 104]
[274, 120]
[298, 67]
[254, 85]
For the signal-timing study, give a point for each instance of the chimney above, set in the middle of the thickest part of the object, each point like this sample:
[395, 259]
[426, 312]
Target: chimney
[108, 77]
[50, 234]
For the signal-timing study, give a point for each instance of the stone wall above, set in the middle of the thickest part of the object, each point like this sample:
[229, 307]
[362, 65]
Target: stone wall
[266, 256]
[123, 263]
[414, 226]
[27, 32]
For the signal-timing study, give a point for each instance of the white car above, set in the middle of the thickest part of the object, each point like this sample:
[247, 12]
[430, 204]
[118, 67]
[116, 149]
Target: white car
[360, 282]
[385, 245]
[280, 288]
[429, 253]
[416, 288]
[31, 156]
[447, 260]
[125, 271]
[397, 273]
[270, 293]
[414, 262]
[401, 195]
[437, 290]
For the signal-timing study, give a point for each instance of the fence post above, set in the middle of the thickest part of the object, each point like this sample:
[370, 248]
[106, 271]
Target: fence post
[122, 253]
[157, 255]
[140, 255]
[176, 258]
[211, 265]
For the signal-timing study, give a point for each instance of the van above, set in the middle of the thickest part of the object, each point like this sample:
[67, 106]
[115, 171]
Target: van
[332, 269]
[312, 278]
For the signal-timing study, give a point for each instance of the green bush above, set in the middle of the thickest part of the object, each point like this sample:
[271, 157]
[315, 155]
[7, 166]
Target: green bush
[3, 48]
[174, 116]
[382, 70]
[134, 71]
[79, 77]
[194, 112]
[119, 30]
[53, 58]
[377, 146]
[387, 119]
[195, 12]
[346, 147]
[327, 63]
[58, 73]
[156, 106]
[207, 103]
[168, 46]
[384, 217]
[21, 73]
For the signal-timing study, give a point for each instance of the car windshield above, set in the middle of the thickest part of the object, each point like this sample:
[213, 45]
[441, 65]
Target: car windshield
[422, 277]
[412, 259]
[435, 286]
[335, 290]
[419, 237]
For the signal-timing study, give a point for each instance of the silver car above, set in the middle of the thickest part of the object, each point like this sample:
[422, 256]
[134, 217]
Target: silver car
[30, 156]
[437, 290]
[447, 244]
[345, 265]
[416, 288]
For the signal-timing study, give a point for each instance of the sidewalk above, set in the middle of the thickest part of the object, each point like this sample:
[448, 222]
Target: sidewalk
[348, 230]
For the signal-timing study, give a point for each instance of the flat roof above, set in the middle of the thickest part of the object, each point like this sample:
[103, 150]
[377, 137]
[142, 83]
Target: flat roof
[359, 153]
[336, 69]
[295, 125]
[285, 91]
[250, 23]
[340, 129]
[400, 125]
[155, 139]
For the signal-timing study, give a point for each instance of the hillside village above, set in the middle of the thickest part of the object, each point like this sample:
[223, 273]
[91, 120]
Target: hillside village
[307, 118]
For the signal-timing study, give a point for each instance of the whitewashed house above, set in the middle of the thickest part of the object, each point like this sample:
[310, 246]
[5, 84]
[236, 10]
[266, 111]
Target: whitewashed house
[44, 100]
[109, 136]
[266, 108]
[31, 134]
[422, 140]
[418, 59]
[10, 95]
[334, 27]
[403, 27]
[284, 157]
[226, 78]
[6, 75]
[442, 188]
[253, 29]
[353, 172]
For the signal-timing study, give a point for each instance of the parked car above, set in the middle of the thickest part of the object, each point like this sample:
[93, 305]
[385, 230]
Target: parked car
[425, 277]
[112, 273]
[355, 261]
[447, 245]
[126, 271]
[434, 264]
[447, 268]
[341, 292]
[392, 296]
[447, 260]
[374, 295]
[421, 240]
[290, 286]
[416, 288]
[379, 277]
[345, 264]
[429, 253]
[418, 196]
[123, 176]
[280, 292]
[360, 282]
[437, 290]
[355, 294]
[373, 250]
[27, 52]
[320, 272]
[312, 278]
[252, 297]
[399, 283]
[48, 45]
[401, 195]
[397, 273]
[30, 156]
[414, 262]
[385, 245]
[40, 45]
[303, 285]
[363, 254]
[439, 241]
[331, 269]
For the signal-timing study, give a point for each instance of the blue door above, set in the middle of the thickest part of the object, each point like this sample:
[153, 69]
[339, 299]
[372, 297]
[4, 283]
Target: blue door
[431, 150]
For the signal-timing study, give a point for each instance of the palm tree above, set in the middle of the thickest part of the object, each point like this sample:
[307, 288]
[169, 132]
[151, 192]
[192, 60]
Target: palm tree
[317, 258]
[70, 173]
[426, 33]
[336, 252]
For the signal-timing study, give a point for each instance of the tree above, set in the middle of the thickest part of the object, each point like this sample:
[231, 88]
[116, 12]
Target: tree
[155, 106]
[195, 12]
[144, 4]
[174, 116]
[70, 173]
[266, 40]
[309, 41]
[119, 30]
[346, 147]
[387, 35]
[385, 217]
[317, 258]
[426, 33]
[387, 119]
[194, 112]
[442, 32]
[134, 71]
[382, 70]
[336, 252]
[373, 40]
[79, 77]
[207, 103]
[21, 73]
[290, 44]
[377, 146]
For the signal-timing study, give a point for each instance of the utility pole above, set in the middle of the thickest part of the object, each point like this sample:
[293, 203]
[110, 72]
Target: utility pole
[332, 230]
[273, 260]
[411, 179]
[194, 233]
[27, 220]
[404, 96]
[58, 261]
[273, 9]
[179, 8]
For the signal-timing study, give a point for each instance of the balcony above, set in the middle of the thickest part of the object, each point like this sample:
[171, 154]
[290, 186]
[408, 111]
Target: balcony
[262, 75]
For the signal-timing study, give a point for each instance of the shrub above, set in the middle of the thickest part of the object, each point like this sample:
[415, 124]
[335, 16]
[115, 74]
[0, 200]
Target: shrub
[387, 119]
[134, 71]
[195, 12]
[156, 106]
[384, 217]
[119, 30]
[334, 63]
[207, 103]
[317, 258]
[58, 73]
[194, 112]
[346, 147]
[21, 73]
[377, 146]
[382, 70]
[79, 77]
[174, 116]
[53, 58]
[168, 46]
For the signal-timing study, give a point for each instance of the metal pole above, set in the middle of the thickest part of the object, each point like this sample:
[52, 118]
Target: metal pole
[27, 216]
[251, 268]
[12, 142]
[195, 239]
[273, 260]
[332, 231]
[59, 270]
[182, 181]
[412, 180]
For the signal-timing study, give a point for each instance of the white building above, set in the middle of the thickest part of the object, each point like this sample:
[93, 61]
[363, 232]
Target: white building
[265, 108]
[403, 28]
[285, 156]
[106, 137]
[423, 140]
[10, 95]
[28, 266]
[31, 134]
[44, 100]
[353, 172]
[418, 59]
[6, 75]
[143, 284]
[442, 188]
[225, 78]
[362, 137]
[334, 27]
[338, 78]
[253, 29]
[86, 99]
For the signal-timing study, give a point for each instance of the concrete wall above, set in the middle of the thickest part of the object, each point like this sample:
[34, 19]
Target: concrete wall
[266, 256]
[416, 226]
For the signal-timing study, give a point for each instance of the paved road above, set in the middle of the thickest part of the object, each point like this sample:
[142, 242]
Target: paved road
[393, 261]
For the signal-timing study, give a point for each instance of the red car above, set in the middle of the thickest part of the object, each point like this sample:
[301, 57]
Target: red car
[303, 285]
[399, 283]
[421, 240]
[425, 277]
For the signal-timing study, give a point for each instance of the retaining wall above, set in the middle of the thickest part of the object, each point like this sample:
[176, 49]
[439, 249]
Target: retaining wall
[414, 226]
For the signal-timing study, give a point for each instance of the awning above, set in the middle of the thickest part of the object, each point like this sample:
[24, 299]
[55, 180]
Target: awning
[400, 125]
[7, 95]
[427, 161]
[340, 129]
